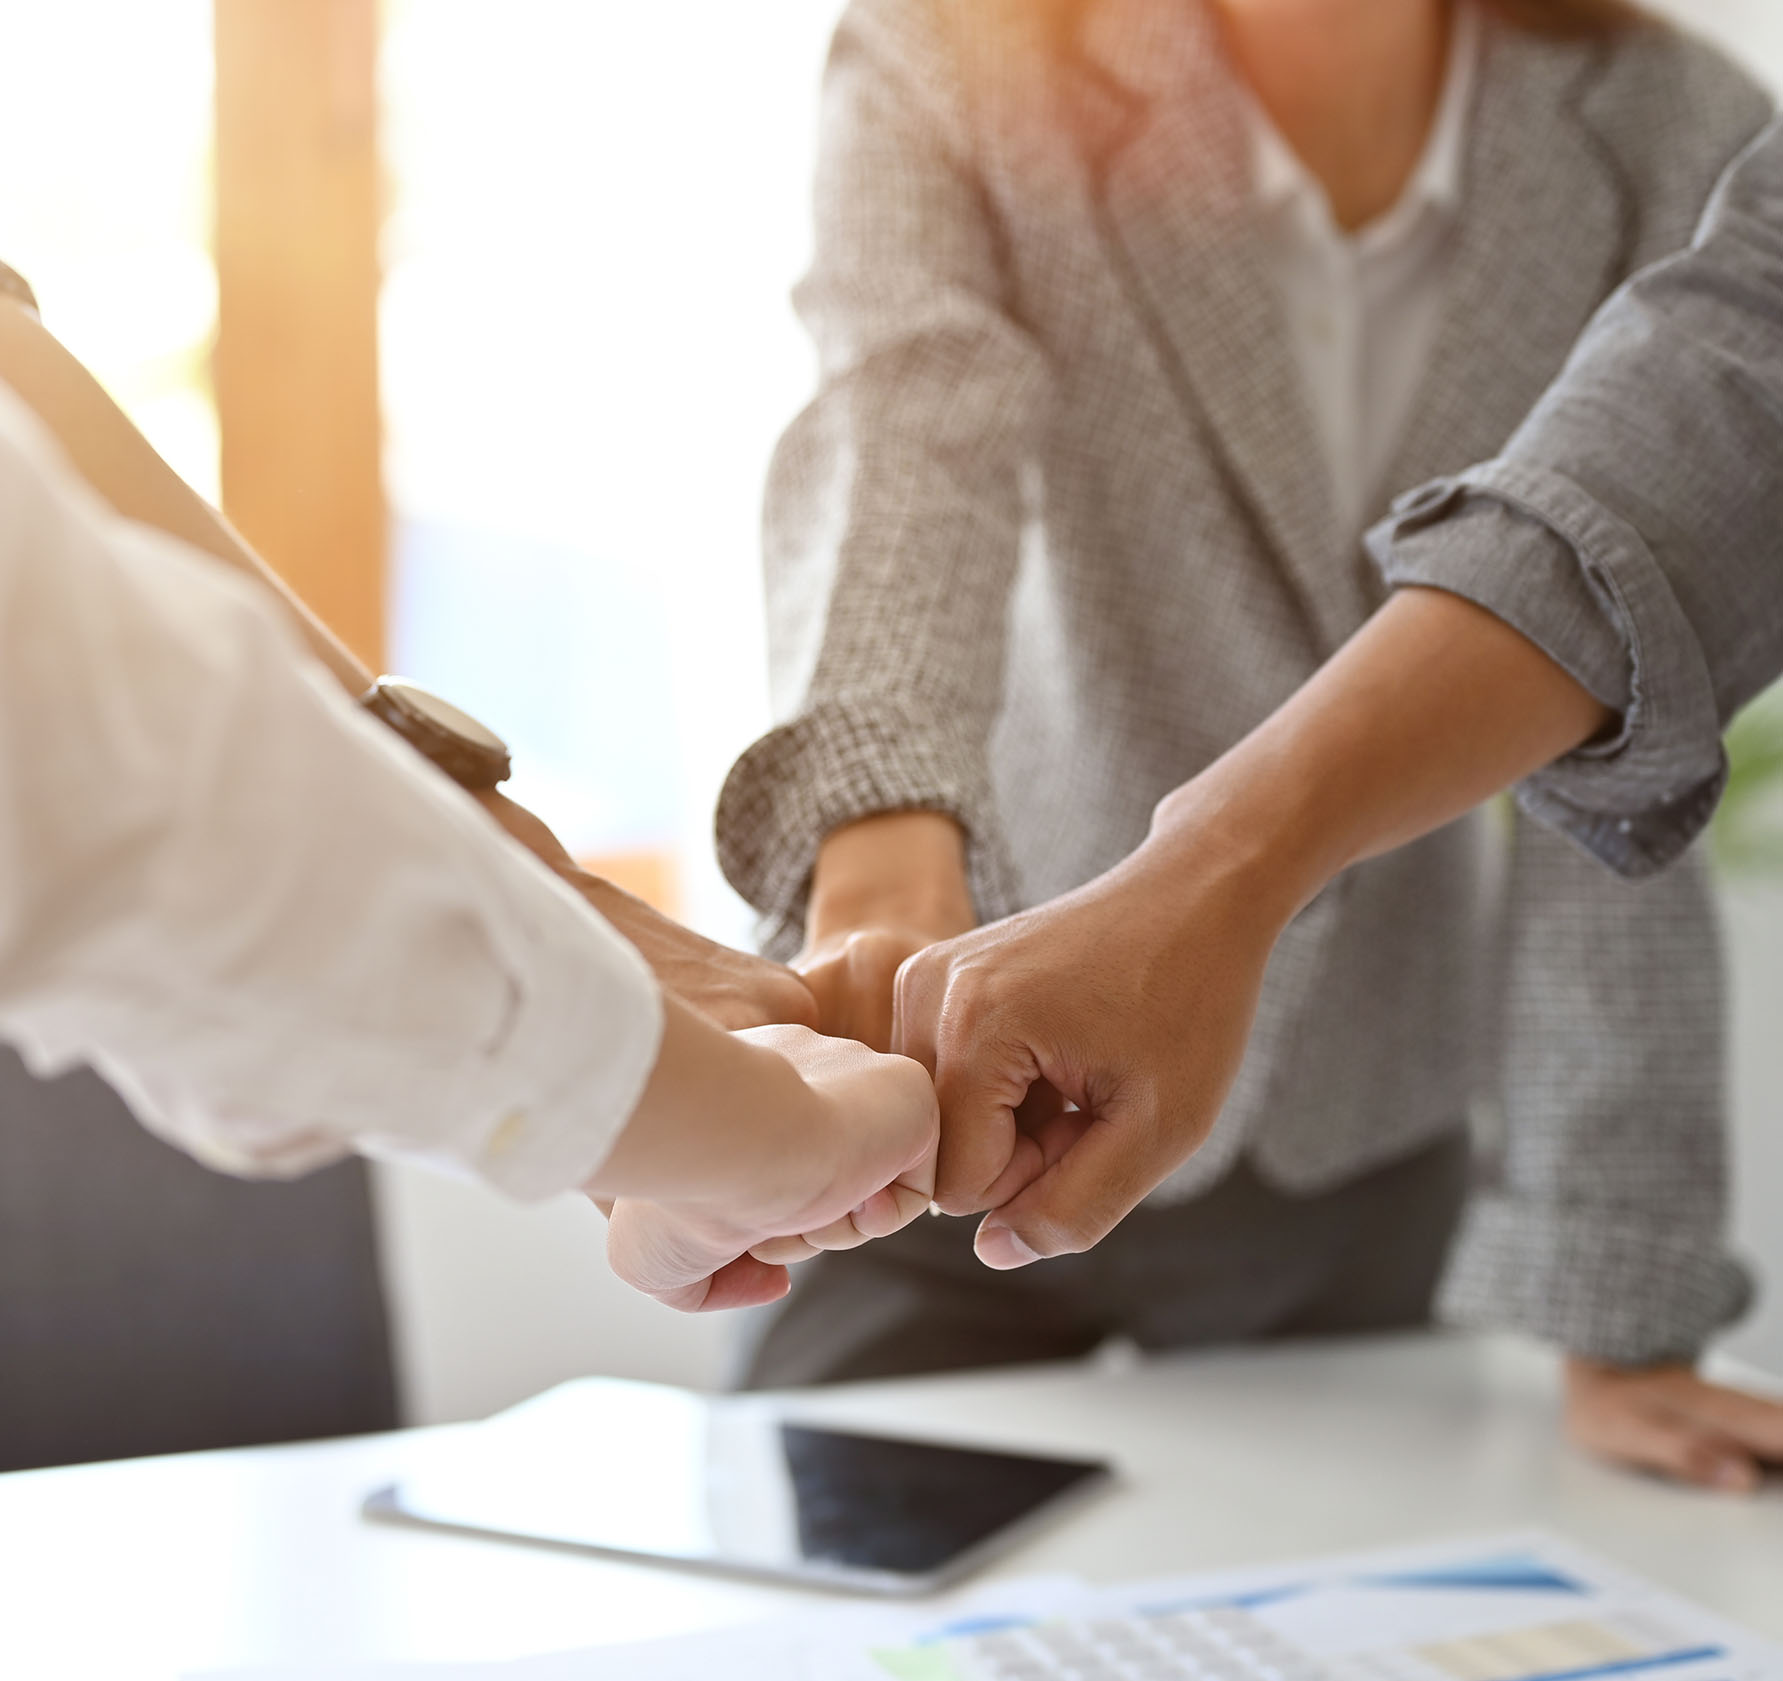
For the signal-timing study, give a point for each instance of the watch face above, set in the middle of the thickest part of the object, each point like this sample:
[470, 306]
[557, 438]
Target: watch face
[442, 714]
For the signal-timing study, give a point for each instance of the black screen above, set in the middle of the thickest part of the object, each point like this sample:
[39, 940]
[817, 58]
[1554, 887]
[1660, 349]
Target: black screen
[879, 1504]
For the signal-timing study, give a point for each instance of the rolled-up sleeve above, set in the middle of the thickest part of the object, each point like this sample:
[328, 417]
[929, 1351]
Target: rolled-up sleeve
[1633, 527]
[1534, 549]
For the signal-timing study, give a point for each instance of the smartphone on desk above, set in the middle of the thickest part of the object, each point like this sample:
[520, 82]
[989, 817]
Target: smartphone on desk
[738, 1485]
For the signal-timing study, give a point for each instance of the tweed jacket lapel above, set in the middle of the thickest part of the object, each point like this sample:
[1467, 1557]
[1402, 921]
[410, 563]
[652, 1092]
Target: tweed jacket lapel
[1173, 189]
[1541, 242]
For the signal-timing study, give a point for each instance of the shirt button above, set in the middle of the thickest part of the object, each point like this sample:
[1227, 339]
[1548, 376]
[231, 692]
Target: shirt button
[507, 1132]
[1625, 827]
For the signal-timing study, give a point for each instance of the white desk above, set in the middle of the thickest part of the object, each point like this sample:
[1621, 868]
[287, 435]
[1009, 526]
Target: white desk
[152, 1567]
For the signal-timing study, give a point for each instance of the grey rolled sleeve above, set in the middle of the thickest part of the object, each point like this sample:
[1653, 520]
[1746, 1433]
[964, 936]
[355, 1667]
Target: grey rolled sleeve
[1633, 528]
[1538, 552]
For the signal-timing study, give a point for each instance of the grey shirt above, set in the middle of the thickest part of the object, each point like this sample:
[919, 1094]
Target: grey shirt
[1633, 526]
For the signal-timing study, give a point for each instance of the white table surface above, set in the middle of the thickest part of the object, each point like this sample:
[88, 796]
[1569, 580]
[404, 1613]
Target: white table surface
[156, 1567]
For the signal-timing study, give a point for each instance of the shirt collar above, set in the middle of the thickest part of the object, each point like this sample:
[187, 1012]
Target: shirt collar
[1279, 178]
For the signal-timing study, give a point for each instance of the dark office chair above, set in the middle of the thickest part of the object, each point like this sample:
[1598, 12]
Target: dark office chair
[150, 1306]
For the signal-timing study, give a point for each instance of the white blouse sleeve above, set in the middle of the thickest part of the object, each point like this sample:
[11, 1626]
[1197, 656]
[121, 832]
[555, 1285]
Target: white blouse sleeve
[275, 928]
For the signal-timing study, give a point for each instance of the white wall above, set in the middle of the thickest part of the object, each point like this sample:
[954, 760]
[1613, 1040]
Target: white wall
[493, 1303]
[1750, 29]
[613, 260]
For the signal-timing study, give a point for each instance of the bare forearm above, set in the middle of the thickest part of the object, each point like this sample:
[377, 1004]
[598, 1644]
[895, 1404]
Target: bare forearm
[120, 464]
[907, 867]
[1432, 707]
[721, 1117]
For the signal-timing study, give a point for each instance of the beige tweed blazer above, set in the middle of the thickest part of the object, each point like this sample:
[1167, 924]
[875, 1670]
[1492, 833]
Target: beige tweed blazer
[1055, 532]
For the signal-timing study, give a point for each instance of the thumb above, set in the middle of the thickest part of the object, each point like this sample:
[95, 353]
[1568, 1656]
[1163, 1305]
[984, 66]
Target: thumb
[1116, 1159]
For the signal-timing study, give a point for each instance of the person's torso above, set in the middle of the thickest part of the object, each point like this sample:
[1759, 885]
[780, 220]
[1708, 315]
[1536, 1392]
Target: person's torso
[1187, 564]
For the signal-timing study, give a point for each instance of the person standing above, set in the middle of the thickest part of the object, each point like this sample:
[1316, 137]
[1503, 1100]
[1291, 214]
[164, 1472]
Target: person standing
[1132, 314]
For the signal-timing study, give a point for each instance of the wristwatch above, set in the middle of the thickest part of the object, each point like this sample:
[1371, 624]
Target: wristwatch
[472, 754]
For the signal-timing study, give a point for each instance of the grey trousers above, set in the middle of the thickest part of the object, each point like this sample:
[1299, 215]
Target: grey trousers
[1244, 1261]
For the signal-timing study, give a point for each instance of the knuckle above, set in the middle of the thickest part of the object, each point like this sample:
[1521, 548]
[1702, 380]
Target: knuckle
[873, 948]
[919, 971]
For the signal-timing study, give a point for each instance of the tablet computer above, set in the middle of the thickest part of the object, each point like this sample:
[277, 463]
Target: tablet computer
[735, 1484]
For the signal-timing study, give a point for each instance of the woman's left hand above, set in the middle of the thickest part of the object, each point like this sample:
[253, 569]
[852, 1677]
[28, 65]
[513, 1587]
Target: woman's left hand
[1667, 1419]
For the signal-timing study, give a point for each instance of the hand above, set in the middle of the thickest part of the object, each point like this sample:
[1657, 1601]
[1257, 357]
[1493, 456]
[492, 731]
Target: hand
[852, 974]
[883, 889]
[858, 1164]
[734, 988]
[1668, 1420]
[1082, 1051]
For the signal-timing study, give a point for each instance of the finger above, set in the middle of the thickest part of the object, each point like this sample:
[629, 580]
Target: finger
[824, 982]
[917, 994]
[867, 969]
[882, 1214]
[983, 1155]
[785, 1251]
[1098, 1178]
[1041, 1145]
[870, 970]
[745, 1282]
[791, 1000]
[768, 996]
[892, 1209]
[1751, 1420]
[668, 1255]
[1666, 1442]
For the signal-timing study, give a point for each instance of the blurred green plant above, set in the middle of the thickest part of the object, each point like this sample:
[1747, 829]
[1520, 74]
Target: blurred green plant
[1748, 832]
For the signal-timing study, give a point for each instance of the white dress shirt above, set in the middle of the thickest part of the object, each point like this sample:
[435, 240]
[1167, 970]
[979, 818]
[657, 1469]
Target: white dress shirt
[277, 930]
[1363, 309]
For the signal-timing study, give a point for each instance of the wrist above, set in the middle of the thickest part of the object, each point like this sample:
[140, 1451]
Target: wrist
[1253, 829]
[789, 1142]
[726, 1125]
[897, 869]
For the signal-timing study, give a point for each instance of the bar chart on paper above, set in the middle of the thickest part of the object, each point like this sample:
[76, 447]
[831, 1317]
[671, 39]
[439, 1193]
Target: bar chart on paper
[1530, 1610]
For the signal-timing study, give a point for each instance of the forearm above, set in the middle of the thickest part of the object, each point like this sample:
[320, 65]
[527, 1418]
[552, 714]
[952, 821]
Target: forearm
[1433, 707]
[229, 887]
[1629, 527]
[721, 1120]
[904, 869]
[120, 464]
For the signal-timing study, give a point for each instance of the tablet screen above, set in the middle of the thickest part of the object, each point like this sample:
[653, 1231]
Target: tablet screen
[732, 1484]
